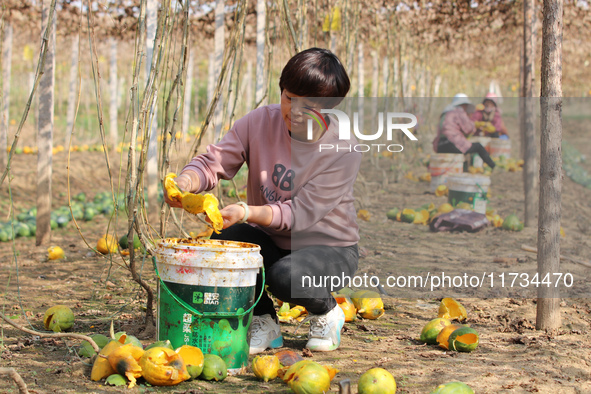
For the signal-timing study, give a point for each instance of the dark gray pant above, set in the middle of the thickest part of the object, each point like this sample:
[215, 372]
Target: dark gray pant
[284, 270]
[445, 146]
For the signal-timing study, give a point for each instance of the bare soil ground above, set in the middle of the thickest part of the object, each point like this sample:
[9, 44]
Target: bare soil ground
[512, 356]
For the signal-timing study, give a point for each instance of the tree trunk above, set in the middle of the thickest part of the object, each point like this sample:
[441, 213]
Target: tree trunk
[375, 83]
[386, 76]
[260, 77]
[548, 308]
[188, 93]
[527, 125]
[6, 70]
[521, 101]
[437, 85]
[219, 58]
[405, 82]
[152, 162]
[45, 133]
[73, 84]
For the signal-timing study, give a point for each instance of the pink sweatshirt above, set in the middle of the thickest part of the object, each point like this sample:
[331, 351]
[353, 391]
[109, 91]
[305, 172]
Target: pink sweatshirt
[456, 126]
[309, 192]
[496, 121]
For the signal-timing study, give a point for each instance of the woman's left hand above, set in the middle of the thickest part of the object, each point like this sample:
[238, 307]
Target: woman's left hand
[232, 214]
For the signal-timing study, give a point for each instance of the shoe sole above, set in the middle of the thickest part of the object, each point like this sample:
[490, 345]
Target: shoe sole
[275, 343]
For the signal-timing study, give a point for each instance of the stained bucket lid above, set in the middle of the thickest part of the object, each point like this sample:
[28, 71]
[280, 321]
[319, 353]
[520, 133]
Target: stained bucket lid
[208, 253]
[206, 244]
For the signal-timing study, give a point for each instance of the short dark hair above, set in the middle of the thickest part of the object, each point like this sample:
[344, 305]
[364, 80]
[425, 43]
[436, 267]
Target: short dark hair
[315, 72]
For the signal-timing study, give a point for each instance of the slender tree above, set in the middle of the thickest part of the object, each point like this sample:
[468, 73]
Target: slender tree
[219, 58]
[527, 117]
[45, 131]
[152, 163]
[375, 80]
[72, 89]
[113, 93]
[210, 77]
[260, 71]
[247, 87]
[6, 70]
[187, 95]
[385, 76]
[548, 305]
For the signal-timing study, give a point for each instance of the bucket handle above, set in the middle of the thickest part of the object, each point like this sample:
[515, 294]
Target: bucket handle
[207, 314]
[483, 192]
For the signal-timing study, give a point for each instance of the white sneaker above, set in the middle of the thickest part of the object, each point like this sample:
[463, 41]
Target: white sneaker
[264, 333]
[325, 330]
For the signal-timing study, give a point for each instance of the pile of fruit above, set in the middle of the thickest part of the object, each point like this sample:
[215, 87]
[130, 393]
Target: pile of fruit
[487, 127]
[25, 224]
[421, 215]
[510, 165]
[82, 209]
[287, 313]
[308, 377]
[366, 304]
[444, 332]
[449, 333]
[123, 359]
[427, 212]
[363, 303]
[485, 169]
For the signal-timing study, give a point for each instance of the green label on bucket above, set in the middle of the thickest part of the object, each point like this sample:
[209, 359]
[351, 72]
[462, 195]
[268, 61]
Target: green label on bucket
[197, 297]
[477, 200]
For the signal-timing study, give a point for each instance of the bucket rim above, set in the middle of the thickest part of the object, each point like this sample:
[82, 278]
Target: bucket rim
[469, 179]
[213, 245]
[498, 141]
[447, 156]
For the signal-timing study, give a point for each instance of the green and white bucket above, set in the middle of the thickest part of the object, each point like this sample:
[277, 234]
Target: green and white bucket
[468, 188]
[206, 295]
[444, 165]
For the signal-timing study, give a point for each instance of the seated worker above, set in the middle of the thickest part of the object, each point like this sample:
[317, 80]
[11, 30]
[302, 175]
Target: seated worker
[454, 126]
[300, 207]
[487, 118]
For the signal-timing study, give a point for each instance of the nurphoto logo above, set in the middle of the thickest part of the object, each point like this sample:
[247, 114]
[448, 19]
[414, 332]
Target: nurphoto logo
[391, 123]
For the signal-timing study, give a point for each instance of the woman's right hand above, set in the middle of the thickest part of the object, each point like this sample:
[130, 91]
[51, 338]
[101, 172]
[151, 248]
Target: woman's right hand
[183, 184]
